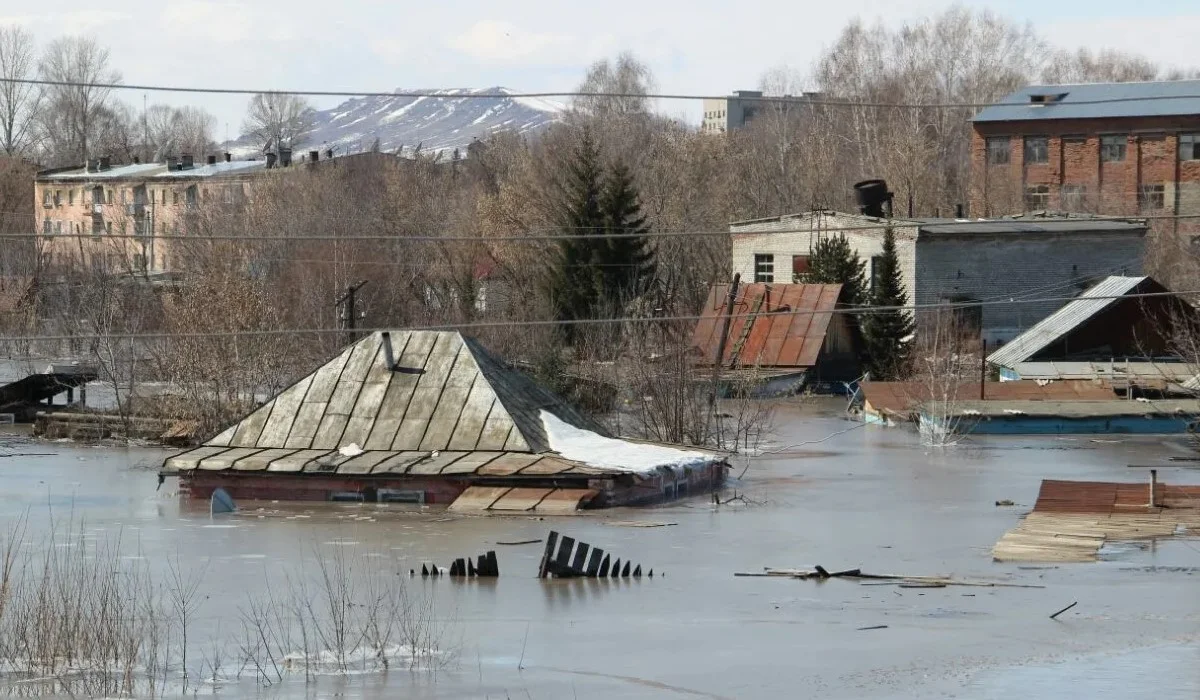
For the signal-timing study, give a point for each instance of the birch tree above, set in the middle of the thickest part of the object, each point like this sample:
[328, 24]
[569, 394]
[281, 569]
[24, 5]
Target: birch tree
[18, 101]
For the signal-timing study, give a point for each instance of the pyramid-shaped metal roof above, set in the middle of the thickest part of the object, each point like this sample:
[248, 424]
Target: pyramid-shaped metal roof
[445, 396]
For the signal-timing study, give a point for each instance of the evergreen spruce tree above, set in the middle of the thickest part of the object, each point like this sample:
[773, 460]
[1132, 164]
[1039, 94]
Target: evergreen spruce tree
[885, 331]
[834, 262]
[626, 264]
[576, 284]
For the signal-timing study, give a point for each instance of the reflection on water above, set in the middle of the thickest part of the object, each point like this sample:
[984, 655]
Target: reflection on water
[1156, 673]
[869, 498]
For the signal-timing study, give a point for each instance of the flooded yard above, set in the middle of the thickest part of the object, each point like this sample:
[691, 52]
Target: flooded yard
[827, 492]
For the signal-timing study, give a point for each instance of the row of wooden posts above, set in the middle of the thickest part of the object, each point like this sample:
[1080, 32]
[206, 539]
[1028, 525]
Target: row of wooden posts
[563, 558]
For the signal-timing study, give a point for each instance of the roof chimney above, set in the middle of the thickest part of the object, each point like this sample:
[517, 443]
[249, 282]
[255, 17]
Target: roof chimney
[329, 154]
[871, 196]
[285, 156]
[228, 156]
[172, 163]
[270, 160]
[314, 156]
[212, 160]
[137, 160]
[105, 163]
[186, 162]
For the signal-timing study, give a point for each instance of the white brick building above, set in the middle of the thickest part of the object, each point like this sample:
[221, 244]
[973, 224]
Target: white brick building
[949, 260]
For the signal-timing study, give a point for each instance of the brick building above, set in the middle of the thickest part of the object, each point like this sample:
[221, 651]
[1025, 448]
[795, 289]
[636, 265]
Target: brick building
[1119, 148]
[960, 261]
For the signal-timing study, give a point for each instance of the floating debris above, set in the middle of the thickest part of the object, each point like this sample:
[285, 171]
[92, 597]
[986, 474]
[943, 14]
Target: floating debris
[557, 561]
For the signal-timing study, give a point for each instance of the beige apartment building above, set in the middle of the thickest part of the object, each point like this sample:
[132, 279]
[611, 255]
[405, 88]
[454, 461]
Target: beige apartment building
[121, 217]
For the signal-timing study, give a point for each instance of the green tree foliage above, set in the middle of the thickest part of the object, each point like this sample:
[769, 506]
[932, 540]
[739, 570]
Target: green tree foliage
[596, 273]
[834, 262]
[576, 282]
[887, 331]
[626, 264]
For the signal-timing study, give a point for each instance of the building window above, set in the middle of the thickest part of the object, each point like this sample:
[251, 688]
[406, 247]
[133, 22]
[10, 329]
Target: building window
[799, 268]
[46, 199]
[71, 197]
[876, 265]
[1112, 148]
[1037, 197]
[164, 198]
[998, 150]
[1151, 197]
[1037, 150]
[108, 198]
[1189, 147]
[58, 226]
[108, 227]
[45, 227]
[764, 268]
[174, 196]
[1073, 197]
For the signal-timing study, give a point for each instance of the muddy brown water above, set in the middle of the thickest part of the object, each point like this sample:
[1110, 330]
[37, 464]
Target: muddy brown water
[868, 497]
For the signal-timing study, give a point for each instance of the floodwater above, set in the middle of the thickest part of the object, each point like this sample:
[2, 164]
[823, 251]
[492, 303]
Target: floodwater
[835, 494]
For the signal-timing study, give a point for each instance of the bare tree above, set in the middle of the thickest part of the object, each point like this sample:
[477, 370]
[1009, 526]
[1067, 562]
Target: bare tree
[626, 82]
[277, 119]
[1105, 66]
[174, 130]
[76, 104]
[18, 101]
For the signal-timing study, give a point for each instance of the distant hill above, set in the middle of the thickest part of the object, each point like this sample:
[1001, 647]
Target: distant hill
[435, 123]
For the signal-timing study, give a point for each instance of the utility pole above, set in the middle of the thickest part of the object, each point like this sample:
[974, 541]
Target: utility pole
[720, 358]
[349, 314]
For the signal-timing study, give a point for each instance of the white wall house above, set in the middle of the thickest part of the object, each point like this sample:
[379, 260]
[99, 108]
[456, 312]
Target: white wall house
[1018, 261]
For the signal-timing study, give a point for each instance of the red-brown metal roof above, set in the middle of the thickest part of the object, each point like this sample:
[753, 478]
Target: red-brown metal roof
[1110, 497]
[783, 325]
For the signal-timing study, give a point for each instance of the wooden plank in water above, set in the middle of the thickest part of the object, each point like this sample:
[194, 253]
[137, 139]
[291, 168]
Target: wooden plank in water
[478, 498]
[551, 541]
[547, 466]
[508, 463]
[593, 566]
[580, 559]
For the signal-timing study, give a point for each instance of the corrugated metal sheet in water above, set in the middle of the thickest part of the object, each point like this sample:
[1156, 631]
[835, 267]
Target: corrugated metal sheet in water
[787, 327]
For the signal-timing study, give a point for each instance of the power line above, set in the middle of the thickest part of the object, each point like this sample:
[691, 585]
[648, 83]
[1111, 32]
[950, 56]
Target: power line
[535, 237]
[437, 94]
[854, 310]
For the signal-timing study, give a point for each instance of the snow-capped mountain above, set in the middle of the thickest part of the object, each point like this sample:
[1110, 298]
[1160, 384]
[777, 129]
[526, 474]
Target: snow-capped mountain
[440, 123]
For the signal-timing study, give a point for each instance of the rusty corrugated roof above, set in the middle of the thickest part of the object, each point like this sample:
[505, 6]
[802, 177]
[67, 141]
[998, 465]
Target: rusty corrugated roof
[1110, 497]
[773, 325]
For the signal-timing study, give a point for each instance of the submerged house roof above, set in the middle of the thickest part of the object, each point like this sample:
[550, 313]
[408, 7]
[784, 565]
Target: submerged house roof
[1075, 314]
[772, 325]
[444, 406]
[902, 398]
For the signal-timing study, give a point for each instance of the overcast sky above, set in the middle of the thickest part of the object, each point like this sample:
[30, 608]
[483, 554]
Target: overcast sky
[692, 46]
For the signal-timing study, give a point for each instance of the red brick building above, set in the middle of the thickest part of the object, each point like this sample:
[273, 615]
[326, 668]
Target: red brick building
[1119, 148]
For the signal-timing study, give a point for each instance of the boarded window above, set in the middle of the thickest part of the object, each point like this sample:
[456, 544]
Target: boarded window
[998, 150]
[1037, 150]
[1112, 148]
[764, 267]
[876, 266]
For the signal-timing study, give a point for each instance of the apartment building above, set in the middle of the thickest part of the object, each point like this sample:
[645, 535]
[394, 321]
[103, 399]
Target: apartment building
[1120, 148]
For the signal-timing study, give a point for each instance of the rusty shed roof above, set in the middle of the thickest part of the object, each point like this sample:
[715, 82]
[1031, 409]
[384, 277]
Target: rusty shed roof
[773, 325]
[903, 397]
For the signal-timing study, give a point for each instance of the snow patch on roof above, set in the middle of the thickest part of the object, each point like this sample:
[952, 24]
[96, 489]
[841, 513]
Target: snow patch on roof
[598, 451]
